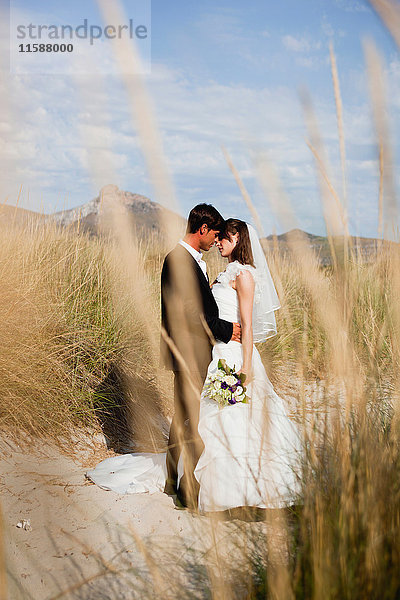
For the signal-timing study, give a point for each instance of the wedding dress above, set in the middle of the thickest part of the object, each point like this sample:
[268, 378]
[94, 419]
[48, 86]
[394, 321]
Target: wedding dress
[250, 450]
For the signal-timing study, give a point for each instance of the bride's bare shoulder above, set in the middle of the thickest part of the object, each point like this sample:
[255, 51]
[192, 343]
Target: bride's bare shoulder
[242, 275]
[244, 280]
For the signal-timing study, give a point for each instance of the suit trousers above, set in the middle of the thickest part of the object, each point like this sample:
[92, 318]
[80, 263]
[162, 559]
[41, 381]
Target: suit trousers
[184, 435]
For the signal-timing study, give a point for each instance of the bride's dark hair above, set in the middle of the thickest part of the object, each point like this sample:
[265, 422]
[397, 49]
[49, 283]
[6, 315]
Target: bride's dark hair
[242, 251]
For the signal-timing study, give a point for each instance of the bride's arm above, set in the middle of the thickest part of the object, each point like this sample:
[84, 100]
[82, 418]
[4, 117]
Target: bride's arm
[245, 291]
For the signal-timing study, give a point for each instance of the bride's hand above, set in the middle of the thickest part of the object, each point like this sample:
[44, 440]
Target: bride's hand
[248, 373]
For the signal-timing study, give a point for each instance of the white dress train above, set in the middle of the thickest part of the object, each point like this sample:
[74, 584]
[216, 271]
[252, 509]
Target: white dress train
[131, 473]
[251, 451]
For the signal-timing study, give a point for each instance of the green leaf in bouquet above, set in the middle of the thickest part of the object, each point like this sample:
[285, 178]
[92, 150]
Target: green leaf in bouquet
[222, 365]
[242, 378]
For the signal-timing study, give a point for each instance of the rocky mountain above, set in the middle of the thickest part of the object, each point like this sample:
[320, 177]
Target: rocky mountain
[362, 246]
[146, 215]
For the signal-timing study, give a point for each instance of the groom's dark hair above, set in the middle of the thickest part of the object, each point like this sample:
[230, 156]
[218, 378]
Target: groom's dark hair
[204, 213]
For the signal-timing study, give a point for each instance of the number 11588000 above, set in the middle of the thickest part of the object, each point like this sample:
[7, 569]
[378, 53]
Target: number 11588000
[45, 48]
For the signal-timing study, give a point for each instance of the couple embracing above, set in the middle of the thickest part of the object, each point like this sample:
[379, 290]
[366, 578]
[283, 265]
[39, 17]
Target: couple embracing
[231, 442]
[236, 437]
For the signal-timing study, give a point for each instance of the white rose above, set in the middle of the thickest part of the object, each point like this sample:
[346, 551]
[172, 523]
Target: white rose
[240, 398]
[217, 385]
[231, 380]
[220, 374]
[238, 391]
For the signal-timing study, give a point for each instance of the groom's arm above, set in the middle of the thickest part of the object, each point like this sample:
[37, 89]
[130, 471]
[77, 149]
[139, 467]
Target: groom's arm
[190, 294]
[222, 330]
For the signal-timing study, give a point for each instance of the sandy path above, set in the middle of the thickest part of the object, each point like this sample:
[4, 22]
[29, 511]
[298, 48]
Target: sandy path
[80, 531]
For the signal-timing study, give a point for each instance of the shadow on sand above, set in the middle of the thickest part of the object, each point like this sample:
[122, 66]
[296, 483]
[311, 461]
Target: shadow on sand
[129, 409]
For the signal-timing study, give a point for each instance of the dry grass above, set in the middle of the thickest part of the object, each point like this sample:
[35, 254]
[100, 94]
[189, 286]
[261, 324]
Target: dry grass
[75, 352]
[66, 349]
[63, 329]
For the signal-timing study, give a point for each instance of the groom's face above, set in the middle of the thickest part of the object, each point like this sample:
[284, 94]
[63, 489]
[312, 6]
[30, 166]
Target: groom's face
[207, 237]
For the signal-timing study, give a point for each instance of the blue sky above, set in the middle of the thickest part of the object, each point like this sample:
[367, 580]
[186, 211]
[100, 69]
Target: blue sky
[222, 74]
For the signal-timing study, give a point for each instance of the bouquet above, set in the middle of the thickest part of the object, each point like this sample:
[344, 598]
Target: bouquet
[225, 386]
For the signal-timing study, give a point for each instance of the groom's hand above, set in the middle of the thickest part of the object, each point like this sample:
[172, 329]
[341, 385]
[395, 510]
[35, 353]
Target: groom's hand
[236, 333]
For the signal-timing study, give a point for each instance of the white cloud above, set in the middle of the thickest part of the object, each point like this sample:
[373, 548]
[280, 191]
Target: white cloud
[392, 72]
[327, 28]
[329, 31]
[306, 61]
[60, 133]
[296, 44]
[307, 50]
[353, 6]
[222, 25]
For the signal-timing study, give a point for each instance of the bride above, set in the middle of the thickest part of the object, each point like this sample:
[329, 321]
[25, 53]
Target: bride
[250, 448]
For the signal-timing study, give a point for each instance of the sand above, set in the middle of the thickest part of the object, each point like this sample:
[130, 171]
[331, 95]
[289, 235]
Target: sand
[82, 538]
[87, 543]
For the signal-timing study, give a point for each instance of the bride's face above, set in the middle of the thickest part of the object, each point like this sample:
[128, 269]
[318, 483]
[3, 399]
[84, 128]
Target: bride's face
[225, 246]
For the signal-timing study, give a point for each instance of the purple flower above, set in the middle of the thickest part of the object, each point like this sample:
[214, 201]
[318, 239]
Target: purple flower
[232, 400]
[224, 385]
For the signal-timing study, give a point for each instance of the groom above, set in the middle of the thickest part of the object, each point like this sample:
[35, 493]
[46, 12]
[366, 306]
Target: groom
[188, 309]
